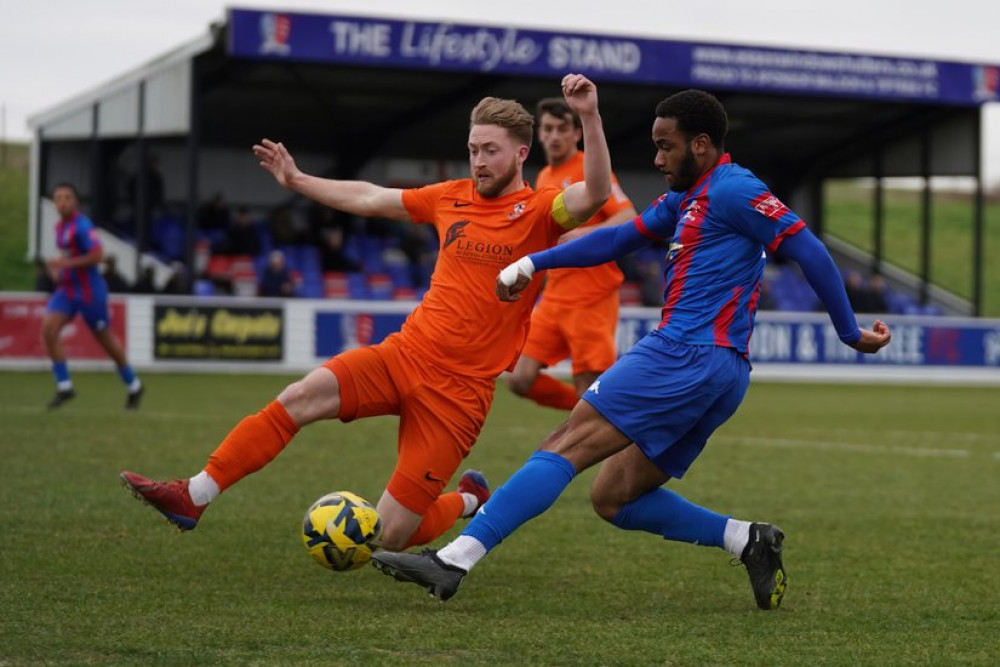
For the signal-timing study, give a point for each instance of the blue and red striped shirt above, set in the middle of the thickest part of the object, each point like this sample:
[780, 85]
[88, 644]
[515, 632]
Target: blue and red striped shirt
[77, 237]
[719, 231]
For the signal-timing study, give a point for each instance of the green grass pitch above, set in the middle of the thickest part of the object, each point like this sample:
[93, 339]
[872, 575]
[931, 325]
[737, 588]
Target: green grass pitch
[889, 495]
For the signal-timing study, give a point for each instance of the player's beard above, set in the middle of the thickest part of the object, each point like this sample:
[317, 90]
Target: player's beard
[687, 173]
[493, 188]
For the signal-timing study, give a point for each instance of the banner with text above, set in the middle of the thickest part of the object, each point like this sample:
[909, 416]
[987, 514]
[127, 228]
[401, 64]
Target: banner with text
[21, 330]
[778, 338]
[244, 333]
[806, 338]
[378, 42]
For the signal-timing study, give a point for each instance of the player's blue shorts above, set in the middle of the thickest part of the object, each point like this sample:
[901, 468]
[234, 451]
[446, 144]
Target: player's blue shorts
[95, 312]
[669, 397]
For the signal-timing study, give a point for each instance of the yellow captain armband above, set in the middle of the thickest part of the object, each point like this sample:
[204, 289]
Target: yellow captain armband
[561, 215]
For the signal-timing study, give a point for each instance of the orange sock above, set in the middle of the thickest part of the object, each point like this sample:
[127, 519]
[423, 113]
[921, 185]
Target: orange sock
[251, 445]
[552, 393]
[438, 518]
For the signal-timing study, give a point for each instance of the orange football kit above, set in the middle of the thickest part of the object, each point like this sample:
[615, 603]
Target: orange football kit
[438, 373]
[578, 313]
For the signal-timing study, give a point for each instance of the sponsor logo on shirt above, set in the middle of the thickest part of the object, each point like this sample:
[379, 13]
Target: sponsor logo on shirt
[475, 250]
[455, 232]
[769, 206]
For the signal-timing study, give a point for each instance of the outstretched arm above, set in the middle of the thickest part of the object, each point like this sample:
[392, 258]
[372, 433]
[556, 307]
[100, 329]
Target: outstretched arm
[355, 197]
[618, 218]
[597, 247]
[821, 272]
[585, 198]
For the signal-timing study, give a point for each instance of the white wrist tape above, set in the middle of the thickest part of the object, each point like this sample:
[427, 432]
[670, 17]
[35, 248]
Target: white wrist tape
[523, 266]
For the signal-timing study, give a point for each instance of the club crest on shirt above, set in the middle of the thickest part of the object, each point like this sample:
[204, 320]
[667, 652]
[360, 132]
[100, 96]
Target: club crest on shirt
[517, 212]
[769, 206]
[691, 212]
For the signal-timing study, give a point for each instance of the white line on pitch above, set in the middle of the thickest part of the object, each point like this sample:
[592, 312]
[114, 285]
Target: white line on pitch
[75, 412]
[851, 447]
[900, 434]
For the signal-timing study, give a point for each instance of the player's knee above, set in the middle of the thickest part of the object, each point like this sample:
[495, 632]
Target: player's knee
[605, 504]
[294, 395]
[314, 397]
[520, 384]
[299, 403]
[50, 331]
[394, 537]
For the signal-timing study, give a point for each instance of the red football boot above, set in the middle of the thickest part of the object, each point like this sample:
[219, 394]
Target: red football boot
[171, 499]
[474, 482]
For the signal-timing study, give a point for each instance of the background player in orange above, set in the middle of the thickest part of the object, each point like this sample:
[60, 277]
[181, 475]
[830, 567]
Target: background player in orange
[578, 312]
[439, 372]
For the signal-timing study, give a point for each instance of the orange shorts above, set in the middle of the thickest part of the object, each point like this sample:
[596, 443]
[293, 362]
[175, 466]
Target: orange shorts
[440, 413]
[585, 334]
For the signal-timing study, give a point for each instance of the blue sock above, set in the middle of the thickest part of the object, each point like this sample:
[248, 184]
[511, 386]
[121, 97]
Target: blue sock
[663, 512]
[61, 370]
[127, 374]
[529, 492]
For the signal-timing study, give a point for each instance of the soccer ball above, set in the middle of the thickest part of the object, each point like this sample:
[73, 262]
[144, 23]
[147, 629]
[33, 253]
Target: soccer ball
[339, 530]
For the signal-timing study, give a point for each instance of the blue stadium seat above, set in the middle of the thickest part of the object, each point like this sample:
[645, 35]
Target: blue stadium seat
[357, 286]
[264, 235]
[402, 275]
[312, 286]
[308, 257]
[380, 287]
[204, 287]
[168, 235]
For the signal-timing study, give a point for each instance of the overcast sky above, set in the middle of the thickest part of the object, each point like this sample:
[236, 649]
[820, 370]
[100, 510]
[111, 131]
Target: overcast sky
[50, 50]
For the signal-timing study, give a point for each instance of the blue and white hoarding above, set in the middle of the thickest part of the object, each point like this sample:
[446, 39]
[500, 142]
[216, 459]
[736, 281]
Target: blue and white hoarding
[388, 43]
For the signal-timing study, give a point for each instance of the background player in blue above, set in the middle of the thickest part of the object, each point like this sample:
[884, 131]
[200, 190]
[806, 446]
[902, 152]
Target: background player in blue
[649, 416]
[80, 288]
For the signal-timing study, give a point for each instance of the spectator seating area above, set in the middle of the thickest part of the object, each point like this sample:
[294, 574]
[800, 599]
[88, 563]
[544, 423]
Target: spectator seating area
[387, 274]
[785, 288]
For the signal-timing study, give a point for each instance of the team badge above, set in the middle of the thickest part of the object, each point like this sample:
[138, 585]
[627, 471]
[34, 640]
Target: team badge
[275, 31]
[517, 212]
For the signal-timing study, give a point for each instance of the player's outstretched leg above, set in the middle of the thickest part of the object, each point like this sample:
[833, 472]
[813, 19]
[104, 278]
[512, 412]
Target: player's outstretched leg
[424, 569]
[171, 499]
[762, 558]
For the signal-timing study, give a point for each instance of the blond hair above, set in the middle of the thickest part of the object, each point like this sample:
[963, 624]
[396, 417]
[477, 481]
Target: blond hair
[508, 114]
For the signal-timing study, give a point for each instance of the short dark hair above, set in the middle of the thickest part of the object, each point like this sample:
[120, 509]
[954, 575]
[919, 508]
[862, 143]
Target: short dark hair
[696, 112]
[556, 106]
[68, 186]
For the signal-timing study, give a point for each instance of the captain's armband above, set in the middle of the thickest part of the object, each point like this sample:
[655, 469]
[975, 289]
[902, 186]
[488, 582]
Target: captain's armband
[561, 215]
